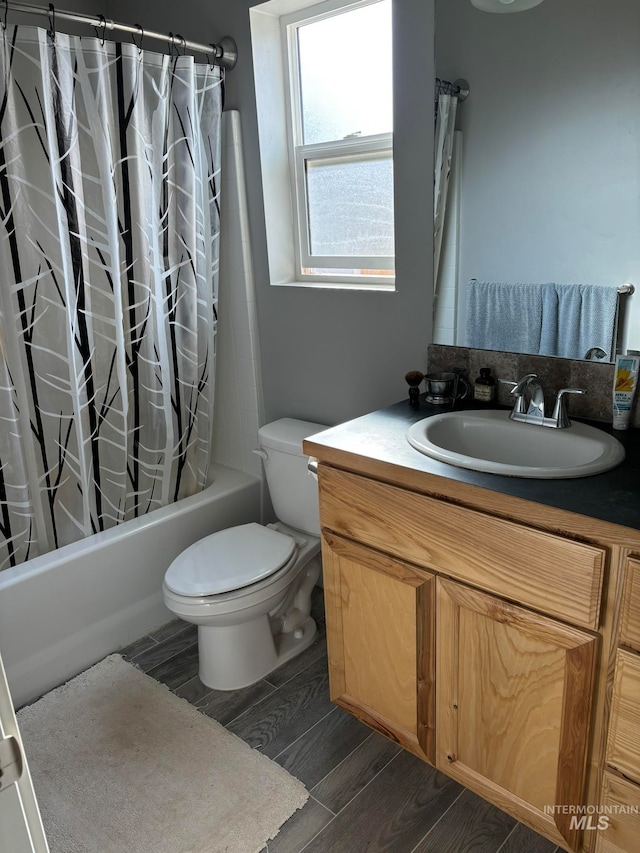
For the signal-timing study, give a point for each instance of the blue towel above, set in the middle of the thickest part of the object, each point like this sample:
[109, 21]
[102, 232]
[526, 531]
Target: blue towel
[580, 317]
[504, 316]
[562, 320]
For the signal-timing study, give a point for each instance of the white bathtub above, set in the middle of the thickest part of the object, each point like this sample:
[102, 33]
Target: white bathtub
[63, 611]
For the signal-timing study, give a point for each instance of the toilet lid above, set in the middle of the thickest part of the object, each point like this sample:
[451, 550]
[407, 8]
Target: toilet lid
[228, 560]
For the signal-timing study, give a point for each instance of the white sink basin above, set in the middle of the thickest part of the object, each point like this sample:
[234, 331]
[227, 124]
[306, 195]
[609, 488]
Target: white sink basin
[488, 441]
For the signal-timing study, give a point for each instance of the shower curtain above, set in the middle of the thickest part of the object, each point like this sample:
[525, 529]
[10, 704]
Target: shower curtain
[445, 126]
[109, 180]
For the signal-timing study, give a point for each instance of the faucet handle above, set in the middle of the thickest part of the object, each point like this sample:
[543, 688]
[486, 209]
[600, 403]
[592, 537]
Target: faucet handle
[560, 415]
[517, 390]
[511, 383]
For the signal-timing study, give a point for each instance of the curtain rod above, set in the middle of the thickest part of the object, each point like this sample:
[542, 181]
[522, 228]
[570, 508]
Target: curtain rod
[459, 88]
[224, 53]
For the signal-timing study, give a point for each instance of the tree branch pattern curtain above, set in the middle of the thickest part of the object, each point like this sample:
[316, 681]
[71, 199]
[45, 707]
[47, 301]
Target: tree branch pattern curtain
[109, 180]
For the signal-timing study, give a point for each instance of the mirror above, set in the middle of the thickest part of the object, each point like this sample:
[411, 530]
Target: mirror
[549, 174]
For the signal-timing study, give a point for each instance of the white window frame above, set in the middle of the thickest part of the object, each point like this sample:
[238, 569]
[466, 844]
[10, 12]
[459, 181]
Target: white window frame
[346, 150]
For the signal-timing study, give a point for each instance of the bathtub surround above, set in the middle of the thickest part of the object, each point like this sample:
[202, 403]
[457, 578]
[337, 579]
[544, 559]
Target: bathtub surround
[171, 780]
[61, 612]
[554, 373]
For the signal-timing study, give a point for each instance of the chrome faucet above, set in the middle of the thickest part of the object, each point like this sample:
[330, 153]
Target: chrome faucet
[532, 412]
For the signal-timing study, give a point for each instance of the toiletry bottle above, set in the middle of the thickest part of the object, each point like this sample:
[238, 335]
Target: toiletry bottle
[625, 383]
[484, 388]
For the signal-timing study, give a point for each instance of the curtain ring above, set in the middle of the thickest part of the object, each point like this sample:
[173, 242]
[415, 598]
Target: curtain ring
[172, 45]
[138, 44]
[103, 24]
[52, 22]
[184, 45]
[6, 12]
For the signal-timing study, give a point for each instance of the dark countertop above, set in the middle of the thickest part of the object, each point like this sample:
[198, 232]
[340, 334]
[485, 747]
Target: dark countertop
[612, 497]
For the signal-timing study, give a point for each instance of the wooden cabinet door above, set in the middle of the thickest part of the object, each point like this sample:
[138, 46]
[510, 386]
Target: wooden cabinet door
[380, 630]
[630, 622]
[623, 746]
[621, 830]
[513, 706]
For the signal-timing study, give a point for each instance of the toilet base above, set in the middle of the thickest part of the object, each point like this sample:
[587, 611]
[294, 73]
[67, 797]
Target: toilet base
[235, 656]
[291, 644]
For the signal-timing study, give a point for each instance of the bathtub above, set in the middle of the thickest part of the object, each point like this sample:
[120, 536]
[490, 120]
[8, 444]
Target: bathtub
[63, 611]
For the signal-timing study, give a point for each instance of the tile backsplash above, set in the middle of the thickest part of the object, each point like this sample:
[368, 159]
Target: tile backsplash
[554, 373]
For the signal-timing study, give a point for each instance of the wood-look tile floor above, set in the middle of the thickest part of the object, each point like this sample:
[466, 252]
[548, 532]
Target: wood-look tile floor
[367, 794]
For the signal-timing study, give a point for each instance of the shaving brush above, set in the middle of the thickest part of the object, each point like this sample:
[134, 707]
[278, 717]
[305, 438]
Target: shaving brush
[413, 379]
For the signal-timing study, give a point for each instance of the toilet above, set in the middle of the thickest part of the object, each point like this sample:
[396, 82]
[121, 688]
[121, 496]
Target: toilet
[248, 588]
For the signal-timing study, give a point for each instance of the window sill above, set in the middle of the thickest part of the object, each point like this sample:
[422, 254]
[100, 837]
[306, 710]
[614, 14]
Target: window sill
[372, 287]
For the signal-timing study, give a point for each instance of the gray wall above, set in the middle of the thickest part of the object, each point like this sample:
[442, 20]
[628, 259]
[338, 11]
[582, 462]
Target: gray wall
[326, 355]
[550, 166]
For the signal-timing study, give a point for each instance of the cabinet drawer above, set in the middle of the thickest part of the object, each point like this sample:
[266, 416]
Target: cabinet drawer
[544, 571]
[630, 624]
[623, 747]
[621, 826]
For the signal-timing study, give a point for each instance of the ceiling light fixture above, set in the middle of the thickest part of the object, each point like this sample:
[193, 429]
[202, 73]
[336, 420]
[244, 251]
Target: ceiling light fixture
[503, 6]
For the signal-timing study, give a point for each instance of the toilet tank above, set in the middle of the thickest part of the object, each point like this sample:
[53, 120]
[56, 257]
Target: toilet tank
[294, 492]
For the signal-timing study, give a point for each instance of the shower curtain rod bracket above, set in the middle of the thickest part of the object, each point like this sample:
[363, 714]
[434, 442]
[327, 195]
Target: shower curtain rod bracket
[463, 89]
[226, 52]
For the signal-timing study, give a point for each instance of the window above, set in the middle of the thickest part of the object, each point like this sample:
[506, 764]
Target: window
[340, 141]
[323, 77]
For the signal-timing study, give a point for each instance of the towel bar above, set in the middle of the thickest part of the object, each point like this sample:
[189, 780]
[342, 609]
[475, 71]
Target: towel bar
[624, 290]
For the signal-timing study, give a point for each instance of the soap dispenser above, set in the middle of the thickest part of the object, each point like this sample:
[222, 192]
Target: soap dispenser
[484, 388]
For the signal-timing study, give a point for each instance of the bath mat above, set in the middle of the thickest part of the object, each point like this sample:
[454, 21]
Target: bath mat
[122, 765]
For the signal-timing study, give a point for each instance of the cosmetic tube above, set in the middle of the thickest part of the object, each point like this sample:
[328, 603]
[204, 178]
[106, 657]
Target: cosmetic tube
[624, 388]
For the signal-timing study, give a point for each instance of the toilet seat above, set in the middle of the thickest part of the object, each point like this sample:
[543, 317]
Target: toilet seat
[229, 560]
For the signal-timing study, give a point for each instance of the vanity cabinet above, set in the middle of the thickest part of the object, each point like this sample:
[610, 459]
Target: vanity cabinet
[620, 832]
[621, 781]
[513, 705]
[380, 624]
[623, 748]
[630, 619]
[467, 638]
